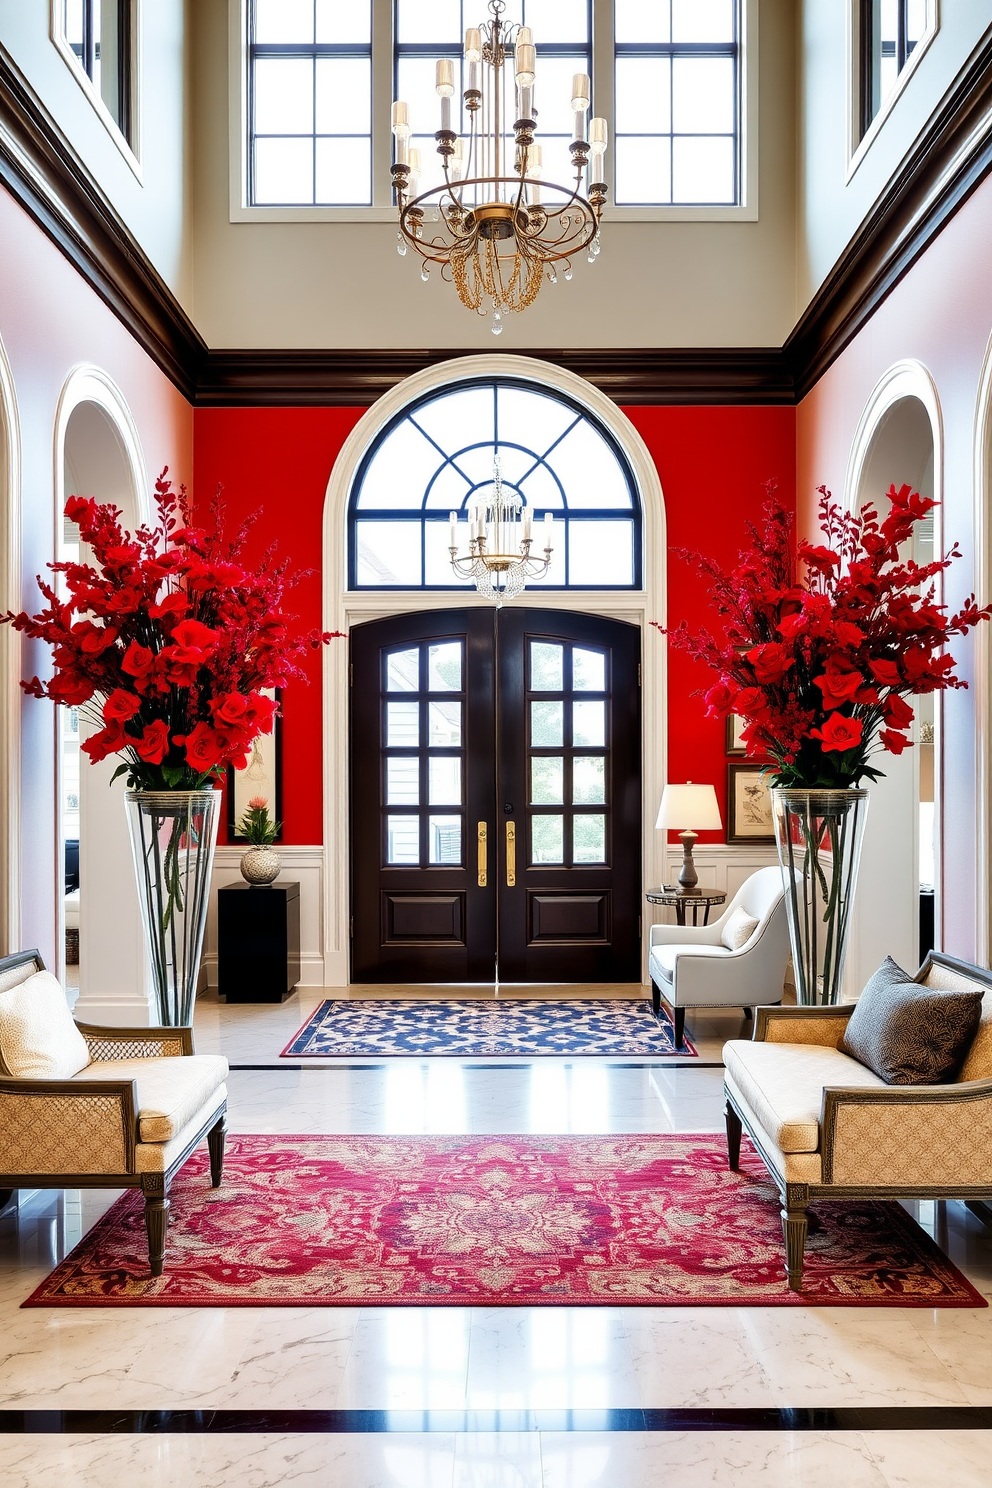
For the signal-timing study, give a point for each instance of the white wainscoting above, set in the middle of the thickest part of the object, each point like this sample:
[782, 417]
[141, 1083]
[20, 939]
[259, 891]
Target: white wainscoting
[721, 866]
[302, 865]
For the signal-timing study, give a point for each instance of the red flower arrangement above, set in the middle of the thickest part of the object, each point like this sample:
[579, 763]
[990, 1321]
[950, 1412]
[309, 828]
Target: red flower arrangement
[167, 641]
[819, 666]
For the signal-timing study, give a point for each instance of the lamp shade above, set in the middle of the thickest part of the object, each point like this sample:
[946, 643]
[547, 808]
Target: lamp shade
[689, 808]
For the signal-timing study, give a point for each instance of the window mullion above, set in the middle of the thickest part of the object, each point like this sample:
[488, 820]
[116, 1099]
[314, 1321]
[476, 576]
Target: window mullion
[602, 104]
[382, 97]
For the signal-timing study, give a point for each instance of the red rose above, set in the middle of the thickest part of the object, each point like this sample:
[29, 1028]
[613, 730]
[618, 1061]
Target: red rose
[137, 660]
[230, 710]
[79, 508]
[172, 604]
[898, 713]
[886, 672]
[153, 745]
[191, 635]
[770, 661]
[838, 687]
[847, 634]
[719, 701]
[120, 706]
[838, 733]
[203, 747]
[893, 742]
[93, 640]
[107, 741]
[823, 560]
[71, 688]
[751, 702]
[262, 711]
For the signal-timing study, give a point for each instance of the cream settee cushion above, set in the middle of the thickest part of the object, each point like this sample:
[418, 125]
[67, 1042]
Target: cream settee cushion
[170, 1091]
[38, 1039]
[783, 1085]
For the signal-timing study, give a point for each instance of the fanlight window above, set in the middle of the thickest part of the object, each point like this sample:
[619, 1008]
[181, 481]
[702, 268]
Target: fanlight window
[436, 457]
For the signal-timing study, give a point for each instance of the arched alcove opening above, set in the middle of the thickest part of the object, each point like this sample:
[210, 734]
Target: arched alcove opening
[346, 604]
[10, 694]
[898, 906]
[97, 454]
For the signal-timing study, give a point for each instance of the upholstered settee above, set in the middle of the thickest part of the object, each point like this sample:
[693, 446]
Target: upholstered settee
[827, 1127]
[691, 967]
[128, 1118]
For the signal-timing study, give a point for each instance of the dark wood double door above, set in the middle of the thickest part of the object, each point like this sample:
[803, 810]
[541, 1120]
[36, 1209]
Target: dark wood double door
[496, 802]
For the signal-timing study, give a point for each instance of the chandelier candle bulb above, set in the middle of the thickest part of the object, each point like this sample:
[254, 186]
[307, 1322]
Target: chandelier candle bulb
[525, 105]
[597, 137]
[549, 531]
[525, 64]
[453, 529]
[525, 36]
[528, 523]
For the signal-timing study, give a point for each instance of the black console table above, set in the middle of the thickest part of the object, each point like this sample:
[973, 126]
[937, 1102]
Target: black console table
[258, 941]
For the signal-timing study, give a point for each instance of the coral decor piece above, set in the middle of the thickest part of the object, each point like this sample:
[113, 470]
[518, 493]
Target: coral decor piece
[166, 640]
[256, 826]
[517, 1221]
[822, 644]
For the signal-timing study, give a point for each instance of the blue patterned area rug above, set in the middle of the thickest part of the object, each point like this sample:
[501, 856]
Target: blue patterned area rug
[369, 1029]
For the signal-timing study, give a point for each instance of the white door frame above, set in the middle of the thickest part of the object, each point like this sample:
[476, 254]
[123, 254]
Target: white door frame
[983, 662]
[10, 663]
[909, 379]
[343, 608]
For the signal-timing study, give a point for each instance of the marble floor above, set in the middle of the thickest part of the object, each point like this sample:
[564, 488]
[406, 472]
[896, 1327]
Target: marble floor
[482, 1398]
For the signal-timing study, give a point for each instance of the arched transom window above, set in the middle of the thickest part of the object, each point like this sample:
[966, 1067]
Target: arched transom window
[436, 457]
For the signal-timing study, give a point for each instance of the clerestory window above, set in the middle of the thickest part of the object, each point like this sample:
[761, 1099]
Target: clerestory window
[890, 32]
[436, 457]
[99, 35]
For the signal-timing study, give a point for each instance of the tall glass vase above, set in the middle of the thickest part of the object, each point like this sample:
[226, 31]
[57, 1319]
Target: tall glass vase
[819, 835]
[173, 836]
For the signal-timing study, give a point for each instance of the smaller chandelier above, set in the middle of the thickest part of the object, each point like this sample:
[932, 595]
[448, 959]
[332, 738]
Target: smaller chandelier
[500, 536]
[501, 229]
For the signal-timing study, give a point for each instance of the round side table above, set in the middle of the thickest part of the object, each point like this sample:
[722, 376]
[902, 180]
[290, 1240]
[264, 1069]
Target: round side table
[672, 897]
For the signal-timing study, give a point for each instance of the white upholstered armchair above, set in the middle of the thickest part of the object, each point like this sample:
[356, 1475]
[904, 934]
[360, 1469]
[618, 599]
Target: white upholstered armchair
[83, 1106]
[692, 967]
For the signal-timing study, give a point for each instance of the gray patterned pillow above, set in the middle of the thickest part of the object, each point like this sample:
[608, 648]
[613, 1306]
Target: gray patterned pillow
[908, 1034]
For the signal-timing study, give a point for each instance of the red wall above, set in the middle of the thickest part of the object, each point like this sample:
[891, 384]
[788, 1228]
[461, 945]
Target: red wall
[712, 462]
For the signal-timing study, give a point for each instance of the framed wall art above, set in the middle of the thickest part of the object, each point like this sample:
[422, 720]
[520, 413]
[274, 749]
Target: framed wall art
[261, 777]
[735, 727]
[749, 806]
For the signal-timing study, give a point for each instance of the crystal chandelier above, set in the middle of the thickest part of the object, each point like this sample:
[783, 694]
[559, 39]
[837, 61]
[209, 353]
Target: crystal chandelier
[495, 227]
[500, 536]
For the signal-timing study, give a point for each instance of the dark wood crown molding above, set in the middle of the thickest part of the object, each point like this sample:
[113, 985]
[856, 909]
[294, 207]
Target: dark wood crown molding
[949, 159]
[42, 171]
[307, 378]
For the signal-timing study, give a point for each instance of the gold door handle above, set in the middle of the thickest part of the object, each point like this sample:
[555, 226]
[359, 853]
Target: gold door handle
[483, 854]
[511, 854]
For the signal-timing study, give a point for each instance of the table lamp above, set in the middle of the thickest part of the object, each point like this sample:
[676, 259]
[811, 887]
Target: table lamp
[688, 809]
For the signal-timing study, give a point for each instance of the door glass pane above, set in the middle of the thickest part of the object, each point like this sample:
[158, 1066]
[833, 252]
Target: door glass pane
[547, 780]
[402, 725]
[588, 779]
[588, 670]
[589, 723]
[589, 839]
[546, 669]
[445, 781]
[403, 671]
[546, 725]
[547, 838]
[403, 839]
[444, 839]
[444, 667]
[402, 780]
[445, 725]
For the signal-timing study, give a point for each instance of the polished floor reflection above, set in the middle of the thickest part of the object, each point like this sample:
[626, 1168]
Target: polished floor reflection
[481, 1360]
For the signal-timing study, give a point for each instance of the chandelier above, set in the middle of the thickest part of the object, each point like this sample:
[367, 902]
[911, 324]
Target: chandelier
[495, 227]
[500, 536]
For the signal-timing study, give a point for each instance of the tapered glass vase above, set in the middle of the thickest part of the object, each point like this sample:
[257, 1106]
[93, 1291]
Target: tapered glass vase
[173, 836]
[819, 834]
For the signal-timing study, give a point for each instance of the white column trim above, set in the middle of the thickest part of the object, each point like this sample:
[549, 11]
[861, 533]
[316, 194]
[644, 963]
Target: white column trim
[10, 659]
[342, 608]
[983, 662]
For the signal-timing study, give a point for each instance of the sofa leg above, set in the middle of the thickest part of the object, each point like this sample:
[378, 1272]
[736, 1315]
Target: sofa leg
[794, 1226]
[156, 1221]
[678, 1017]
[655, 998]
[216, 1137]
[747, 1014]
[734, 1130]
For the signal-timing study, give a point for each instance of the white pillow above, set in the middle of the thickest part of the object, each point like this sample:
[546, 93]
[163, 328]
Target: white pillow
[738, 929]
[38, 1039]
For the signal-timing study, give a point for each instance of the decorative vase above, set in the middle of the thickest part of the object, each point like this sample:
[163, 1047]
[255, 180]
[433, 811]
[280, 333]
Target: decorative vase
[819, 835]
[260, 865]
[173, 836]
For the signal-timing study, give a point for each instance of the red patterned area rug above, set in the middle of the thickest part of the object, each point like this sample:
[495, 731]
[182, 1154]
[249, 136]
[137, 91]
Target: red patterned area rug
[518, 1221]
